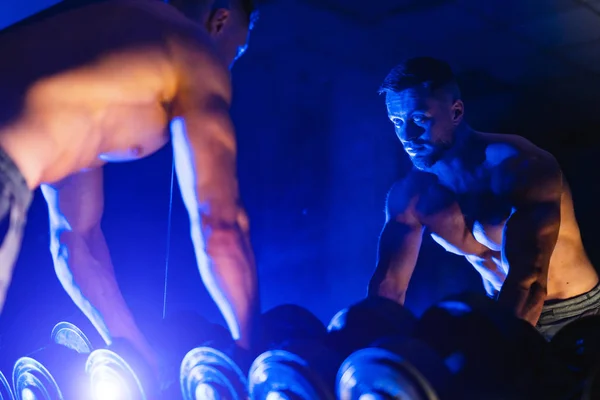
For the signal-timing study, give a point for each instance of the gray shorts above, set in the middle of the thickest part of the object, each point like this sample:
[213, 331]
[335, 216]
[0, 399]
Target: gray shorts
[15, 199]
[558, 313]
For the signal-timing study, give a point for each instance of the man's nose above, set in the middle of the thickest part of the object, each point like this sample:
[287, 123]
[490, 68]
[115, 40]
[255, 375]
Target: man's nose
[410, 131]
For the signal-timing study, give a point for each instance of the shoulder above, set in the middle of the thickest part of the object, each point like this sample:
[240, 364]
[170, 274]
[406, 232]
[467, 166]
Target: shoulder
[193, 55]
[191, 52]
[404, 193]
[197, 63]
[157, 11]
[520, 168]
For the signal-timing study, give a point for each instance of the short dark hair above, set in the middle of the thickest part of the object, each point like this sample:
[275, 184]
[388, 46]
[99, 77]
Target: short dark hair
[194, 8]
[427, 72]
[190, 8]
[250, 11]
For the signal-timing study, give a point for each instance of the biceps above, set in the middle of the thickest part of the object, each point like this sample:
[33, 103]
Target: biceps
[533, 226]
[530, 237]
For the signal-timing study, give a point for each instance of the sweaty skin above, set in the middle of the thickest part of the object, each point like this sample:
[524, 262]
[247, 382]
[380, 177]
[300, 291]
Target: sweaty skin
[102, 84]
[497, 200]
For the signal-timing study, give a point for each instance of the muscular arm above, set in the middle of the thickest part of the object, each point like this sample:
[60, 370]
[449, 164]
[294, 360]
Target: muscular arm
[399, 246]
[530, 235]
[82, 260]
[204, 148]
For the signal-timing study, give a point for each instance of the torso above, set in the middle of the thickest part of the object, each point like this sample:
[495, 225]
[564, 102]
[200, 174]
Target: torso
[92, 85]
[466, 225]
[467, 217]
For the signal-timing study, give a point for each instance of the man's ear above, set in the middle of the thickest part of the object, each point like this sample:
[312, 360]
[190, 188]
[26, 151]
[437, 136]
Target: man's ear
[217, 20]
[458, 112]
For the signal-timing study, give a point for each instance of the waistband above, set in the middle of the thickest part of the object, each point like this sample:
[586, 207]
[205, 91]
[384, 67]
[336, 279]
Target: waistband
[558, 309]
[13, 182]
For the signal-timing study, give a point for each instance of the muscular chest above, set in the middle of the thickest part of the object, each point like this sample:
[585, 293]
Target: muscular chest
[467, 224]
[132, 132]
[110, 110]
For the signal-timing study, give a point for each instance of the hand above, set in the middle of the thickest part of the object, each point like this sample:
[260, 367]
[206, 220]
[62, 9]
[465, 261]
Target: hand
[244, 343]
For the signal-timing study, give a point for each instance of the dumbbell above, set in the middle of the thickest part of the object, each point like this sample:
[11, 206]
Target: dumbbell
[367, 321]
[382, 358]
[6, 392]
[493, 354]
[376, 373]
[120, 372]
[194, 356]
[57, 371]
[294, 362]
[577, 345]
[208, 373]
[395, 367]
[201, 359]
[306, 365]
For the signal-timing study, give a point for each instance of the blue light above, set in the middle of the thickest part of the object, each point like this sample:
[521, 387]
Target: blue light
[27, 394]
[108, 388]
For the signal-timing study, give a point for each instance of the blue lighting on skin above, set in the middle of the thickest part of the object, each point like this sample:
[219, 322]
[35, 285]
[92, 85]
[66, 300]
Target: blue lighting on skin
[184, 167]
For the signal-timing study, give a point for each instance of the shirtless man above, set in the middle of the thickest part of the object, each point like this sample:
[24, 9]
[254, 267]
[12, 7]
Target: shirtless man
[498, 200]
[103, 83]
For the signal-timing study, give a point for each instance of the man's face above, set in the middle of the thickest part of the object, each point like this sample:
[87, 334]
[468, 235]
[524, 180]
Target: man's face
[423, 123]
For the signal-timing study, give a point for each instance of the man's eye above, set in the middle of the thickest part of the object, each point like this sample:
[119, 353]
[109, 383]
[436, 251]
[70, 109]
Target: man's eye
[419, 118]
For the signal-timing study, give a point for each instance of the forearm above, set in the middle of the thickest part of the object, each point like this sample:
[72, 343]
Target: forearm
[397, 255]
[387, 287]
[527, 253]
[206, 170]
[385, 283]
[525, 301]
[227, 268]
[84, 269]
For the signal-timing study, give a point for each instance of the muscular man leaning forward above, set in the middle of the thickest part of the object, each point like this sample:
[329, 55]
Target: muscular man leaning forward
[103, 83]
[498, 200]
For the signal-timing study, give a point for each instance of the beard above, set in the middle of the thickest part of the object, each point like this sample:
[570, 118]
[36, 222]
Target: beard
[436, 153]
[424, 162]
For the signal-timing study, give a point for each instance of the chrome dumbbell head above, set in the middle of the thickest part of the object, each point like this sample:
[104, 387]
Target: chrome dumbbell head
[374, 373]
[55, 371]
[32, 380]
[207, 373]
[70, 336]
[279, 375]
[112, 378]
[6, 392]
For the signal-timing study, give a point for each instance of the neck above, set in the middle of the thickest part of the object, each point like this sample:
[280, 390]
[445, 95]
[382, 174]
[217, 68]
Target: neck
[463, 153]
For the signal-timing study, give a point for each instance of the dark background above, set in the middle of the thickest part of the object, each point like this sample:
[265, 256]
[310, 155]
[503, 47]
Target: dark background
[317, 154]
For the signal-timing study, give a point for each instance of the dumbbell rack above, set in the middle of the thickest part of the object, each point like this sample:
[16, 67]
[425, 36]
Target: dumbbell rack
[461, 348]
